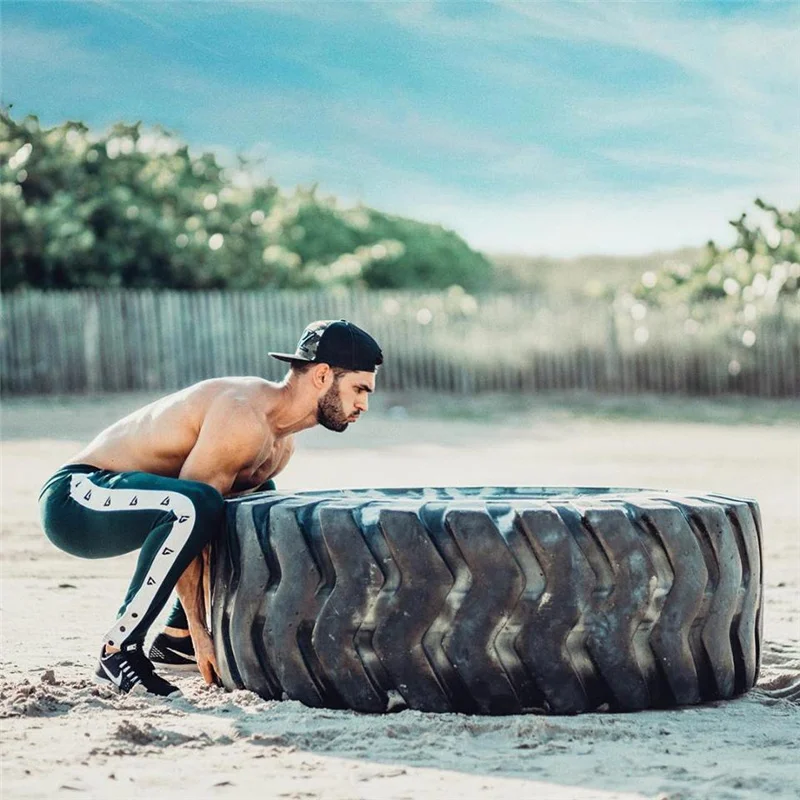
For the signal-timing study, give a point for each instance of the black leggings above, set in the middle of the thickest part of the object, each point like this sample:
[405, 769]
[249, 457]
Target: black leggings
[94, 513]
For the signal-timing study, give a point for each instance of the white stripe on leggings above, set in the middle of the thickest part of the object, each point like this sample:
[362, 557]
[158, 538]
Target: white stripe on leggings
[97, 498]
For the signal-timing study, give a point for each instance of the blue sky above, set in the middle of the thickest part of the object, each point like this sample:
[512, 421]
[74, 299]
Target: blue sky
[539, 127]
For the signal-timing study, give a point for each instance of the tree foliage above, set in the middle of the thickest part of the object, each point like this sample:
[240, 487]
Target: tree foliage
[136, 208]
[761, 270]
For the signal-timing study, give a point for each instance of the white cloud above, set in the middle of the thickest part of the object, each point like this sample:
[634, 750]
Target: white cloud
[165, 19]
[751, 61]
[732, 168]
[563, 226]
[742, 69]
[482, 152]
[32, 48]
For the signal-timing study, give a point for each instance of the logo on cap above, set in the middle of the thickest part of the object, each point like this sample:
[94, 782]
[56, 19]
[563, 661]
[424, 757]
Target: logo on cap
[309, 341]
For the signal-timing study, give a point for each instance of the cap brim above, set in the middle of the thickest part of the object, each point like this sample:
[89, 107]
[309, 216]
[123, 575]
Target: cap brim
[289, 357]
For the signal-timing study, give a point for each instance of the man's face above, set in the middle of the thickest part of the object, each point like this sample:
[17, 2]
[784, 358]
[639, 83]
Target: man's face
[346, 400]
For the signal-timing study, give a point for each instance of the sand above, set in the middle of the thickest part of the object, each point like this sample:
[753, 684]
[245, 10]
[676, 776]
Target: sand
[62, 736]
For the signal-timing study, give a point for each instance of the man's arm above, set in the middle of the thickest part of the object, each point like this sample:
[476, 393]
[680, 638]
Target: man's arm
[230, 439]
[284, 451]
[190, 590]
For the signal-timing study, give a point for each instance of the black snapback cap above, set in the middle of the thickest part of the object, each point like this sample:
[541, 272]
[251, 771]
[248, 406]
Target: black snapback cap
[336, 342]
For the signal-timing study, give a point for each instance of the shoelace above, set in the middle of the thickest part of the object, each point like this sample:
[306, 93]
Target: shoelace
[139, 663]
[130, 673]
[146, 673]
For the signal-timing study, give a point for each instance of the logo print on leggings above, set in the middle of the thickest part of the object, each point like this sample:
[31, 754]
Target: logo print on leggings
[165, 501]
[183, 518]
[88, 495]
[151, 581]
[166, 551]
[134, 502]
[107, 502]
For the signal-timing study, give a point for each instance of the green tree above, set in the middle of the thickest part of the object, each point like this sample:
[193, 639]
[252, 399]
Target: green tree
[760, 270]
[135, 208]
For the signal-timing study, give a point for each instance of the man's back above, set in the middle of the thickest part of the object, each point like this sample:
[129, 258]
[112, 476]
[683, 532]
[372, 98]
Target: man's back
[159, 437]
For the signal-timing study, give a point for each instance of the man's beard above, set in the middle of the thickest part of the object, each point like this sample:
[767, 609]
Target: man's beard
[330, 412]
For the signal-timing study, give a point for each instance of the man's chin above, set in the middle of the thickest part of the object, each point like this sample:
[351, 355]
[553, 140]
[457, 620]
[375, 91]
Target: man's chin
[335, 427]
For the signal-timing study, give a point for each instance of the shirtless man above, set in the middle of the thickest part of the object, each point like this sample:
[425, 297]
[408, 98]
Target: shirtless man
[156, 480]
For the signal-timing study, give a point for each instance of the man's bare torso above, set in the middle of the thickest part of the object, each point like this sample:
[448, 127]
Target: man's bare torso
[159, 437]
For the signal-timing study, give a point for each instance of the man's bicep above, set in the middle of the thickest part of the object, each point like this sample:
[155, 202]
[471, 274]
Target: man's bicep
[205, 464]
[228, 441]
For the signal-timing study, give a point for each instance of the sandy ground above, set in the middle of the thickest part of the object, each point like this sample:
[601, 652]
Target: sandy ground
[62, 736]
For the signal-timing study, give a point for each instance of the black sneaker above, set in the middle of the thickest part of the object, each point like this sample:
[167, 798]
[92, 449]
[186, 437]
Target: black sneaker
[173, 652]
[129, 668]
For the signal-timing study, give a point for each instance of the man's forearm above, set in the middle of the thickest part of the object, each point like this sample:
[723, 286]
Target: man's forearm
[206, 585]
[190, 588]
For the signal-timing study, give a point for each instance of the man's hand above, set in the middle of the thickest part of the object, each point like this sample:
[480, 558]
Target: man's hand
[206, 659]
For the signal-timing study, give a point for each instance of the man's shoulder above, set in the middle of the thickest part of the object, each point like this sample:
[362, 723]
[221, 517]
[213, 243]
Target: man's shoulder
[243, 385]
[233, 401]
[233, 392]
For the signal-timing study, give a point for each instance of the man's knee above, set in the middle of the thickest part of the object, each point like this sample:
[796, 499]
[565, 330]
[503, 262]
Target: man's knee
[207, 501]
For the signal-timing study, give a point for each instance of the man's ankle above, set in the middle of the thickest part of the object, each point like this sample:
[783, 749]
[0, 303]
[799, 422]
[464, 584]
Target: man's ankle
[176, 632]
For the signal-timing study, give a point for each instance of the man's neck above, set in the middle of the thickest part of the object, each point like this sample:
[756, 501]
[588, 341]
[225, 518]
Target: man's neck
[292, 411]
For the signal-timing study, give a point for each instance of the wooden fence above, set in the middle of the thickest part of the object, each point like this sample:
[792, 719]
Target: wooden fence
[109, 341]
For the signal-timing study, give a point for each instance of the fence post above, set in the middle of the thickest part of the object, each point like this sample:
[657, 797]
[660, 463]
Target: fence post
[91, 342]
[612, 354]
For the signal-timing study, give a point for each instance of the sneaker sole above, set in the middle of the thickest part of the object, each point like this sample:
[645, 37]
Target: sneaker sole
[109, 684]
[138, 689]
[161, 665]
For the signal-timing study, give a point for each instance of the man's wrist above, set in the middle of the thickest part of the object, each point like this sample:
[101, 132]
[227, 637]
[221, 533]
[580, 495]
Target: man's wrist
[200, 629]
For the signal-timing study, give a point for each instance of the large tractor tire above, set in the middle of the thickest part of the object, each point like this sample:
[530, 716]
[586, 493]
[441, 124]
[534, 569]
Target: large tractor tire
[489, 601]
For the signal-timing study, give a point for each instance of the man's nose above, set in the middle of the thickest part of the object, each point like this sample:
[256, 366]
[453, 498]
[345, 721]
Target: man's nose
[362, 405]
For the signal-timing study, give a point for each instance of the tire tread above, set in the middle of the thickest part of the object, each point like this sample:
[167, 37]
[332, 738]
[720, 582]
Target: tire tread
[490, 601]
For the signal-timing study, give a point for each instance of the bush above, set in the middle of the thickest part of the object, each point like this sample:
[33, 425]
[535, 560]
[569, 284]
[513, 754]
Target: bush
[135, 208]
[761, 270]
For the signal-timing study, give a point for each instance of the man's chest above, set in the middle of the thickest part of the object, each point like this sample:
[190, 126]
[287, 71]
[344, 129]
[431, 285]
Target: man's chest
[269, 461]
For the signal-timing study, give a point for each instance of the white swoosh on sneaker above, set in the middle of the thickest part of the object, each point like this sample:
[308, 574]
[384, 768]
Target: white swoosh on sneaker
[115, 679]
[181, 654]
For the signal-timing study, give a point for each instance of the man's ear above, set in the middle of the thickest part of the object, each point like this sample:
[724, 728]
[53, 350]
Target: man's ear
[321, 376]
